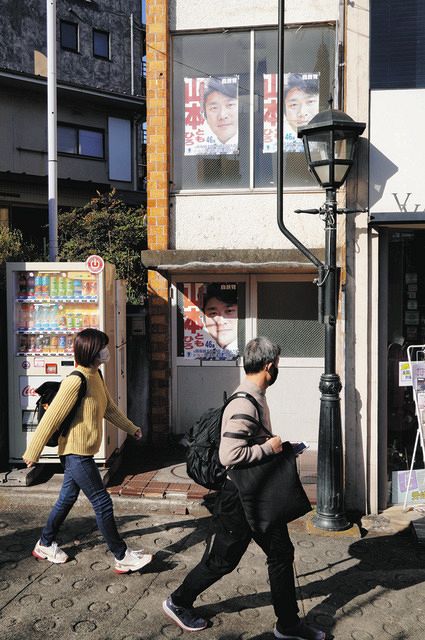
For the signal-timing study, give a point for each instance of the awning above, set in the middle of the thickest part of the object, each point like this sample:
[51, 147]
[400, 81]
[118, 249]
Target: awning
[229, 261]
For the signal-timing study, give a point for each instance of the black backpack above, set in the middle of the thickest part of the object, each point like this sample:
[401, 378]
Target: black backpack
[203, 441]
[47, 392]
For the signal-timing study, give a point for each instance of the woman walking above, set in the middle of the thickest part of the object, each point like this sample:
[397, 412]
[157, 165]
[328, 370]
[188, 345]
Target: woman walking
[77, 448]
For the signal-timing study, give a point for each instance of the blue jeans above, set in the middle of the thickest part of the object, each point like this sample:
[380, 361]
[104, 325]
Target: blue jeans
[81, 472]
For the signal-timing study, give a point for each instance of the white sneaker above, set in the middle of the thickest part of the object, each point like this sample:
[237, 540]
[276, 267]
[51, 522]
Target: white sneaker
[53, 553]
[132, 561]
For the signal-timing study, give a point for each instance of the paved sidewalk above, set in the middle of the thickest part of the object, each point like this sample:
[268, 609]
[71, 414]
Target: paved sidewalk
[357, 589]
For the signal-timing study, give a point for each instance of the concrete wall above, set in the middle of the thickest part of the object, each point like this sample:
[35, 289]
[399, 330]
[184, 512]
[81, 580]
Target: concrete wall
[198, 14]
[247, 220]
[23, 41]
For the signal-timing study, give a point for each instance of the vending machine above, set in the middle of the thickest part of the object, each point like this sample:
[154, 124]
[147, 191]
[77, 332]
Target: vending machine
[48, 303]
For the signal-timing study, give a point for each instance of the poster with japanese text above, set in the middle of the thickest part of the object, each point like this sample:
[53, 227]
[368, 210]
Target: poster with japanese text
[211, 116]
[301, 96]
[210, 321]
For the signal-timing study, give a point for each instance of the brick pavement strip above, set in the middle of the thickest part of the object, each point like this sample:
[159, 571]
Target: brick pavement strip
[368, 589]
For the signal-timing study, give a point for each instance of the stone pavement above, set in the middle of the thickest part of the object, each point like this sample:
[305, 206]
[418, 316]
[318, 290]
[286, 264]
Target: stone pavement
[367, 588]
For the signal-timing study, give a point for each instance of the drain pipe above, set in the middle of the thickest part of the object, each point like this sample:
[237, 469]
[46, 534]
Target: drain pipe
[280, 112]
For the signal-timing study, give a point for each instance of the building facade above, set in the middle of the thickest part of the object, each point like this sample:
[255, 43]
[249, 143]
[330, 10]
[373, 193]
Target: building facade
[100, 107]
[215, 248]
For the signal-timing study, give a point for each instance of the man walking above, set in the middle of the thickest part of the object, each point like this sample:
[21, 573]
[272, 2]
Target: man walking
[233, 534]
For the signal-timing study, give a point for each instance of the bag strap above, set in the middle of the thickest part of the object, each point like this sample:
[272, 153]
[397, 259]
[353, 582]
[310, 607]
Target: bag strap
[83, 386]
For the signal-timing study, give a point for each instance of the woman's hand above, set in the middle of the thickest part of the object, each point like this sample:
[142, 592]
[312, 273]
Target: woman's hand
[29, 463]
[138, 434]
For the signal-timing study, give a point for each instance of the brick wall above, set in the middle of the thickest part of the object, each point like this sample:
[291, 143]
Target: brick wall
[157, 44]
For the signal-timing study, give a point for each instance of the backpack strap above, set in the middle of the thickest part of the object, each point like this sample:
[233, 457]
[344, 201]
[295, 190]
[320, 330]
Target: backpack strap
[83, 386]
[243, 416]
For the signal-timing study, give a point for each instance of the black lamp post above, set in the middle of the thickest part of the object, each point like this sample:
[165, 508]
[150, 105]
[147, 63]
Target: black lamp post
[330, 141]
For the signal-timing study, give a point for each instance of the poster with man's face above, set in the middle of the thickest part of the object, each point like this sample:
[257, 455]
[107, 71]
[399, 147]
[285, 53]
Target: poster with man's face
[301, 96]
[210, 321]
[211, 116]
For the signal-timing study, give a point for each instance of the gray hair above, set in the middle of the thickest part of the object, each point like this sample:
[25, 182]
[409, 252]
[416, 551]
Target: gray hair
[259, 352]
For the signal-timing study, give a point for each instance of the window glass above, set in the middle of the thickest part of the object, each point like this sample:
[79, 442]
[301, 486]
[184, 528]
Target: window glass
[210, 320]
[309, 70]
[69, 35]
[100, 44]
[397, 44]
[287, 314]
[67, 140]
[91, 143]
[211, 150]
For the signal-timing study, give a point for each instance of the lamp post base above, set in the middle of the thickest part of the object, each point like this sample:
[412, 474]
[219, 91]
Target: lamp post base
[331, 522]
[330, 489]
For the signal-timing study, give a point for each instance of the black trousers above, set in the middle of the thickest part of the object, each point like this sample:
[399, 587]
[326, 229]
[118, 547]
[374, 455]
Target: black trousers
[226, 548]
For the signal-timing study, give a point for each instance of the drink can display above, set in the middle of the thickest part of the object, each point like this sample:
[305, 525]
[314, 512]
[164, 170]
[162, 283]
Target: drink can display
[70, 320]
[54, 343]
[32, 344]
[22, 285]
[31, 285]
[69, 343]
[61, 287]
[45, 286]
[62, 343]
[38, 343]
[37, 286]
[78, 288]
[54, 286]
[23, 344]
[78, 323]
[69, 288]
[46, 344]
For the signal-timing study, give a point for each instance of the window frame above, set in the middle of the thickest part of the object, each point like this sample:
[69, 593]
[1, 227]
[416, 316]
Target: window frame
[78, 129]
[108, 38]
[250, 188]
[77, 34]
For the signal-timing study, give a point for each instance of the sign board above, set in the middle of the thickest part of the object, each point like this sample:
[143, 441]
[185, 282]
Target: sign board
[95, 264]
[416, 493]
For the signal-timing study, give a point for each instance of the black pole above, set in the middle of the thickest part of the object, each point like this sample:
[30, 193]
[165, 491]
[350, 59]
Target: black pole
[330, 512]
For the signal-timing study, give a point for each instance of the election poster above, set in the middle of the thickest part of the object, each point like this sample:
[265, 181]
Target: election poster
[210, 321]
[301, 104]
[211, 116]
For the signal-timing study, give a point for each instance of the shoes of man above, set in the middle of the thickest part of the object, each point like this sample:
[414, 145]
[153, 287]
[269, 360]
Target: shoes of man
[53, 553]
[186, 618]
[300, 631]
[132, 561]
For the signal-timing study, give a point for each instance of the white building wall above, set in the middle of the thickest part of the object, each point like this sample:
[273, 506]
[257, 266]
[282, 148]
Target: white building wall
[198, 14]
[243, 221]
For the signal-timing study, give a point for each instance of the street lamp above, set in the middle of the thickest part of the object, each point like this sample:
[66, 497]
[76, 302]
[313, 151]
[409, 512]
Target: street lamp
[330, 141]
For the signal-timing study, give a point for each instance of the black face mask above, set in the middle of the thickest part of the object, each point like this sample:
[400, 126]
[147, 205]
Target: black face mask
[273, 372]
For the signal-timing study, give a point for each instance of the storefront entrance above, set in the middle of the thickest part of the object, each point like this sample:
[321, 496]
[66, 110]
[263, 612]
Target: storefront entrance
[402, 300]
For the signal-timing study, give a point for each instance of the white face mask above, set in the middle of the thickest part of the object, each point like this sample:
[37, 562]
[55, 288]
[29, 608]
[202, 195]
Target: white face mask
[103, 355]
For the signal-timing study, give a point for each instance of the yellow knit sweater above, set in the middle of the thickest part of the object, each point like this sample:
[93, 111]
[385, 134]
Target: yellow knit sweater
[85, 433]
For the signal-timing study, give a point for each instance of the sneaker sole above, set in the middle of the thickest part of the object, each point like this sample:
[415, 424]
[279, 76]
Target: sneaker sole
[132, 570]
[175, 619]
[41, 557]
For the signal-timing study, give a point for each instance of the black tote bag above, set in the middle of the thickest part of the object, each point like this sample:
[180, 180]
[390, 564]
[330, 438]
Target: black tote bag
[271, 490]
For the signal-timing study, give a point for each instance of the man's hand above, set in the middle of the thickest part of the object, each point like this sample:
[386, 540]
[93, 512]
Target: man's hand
[276, 443]
[138, 434]
[29, 463]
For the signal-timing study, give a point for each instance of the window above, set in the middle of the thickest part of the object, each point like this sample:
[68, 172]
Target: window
[287, 314]
[69, 35]
[225, 105]
[80, 141]
[397, 44]
[101, 44]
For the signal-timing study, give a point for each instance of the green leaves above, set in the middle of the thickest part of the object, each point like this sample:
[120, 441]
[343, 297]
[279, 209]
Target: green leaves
[108, 227]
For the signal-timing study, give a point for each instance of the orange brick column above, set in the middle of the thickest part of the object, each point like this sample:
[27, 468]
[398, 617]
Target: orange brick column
[157, 104]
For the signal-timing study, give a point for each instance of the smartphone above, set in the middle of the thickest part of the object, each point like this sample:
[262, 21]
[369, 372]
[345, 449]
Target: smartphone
[299, 447]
